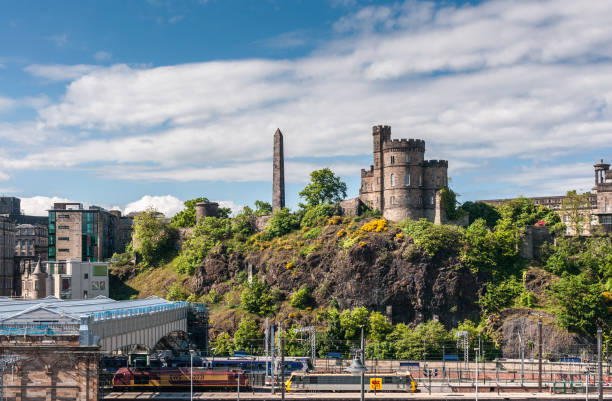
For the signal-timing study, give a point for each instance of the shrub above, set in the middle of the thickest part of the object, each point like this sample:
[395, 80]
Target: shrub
[281, 223]
[256, 298]
[301, 299]
[317, 215]
[176, 293]
[375, 226]
[433, 238]
[312, 233]
[349, 242]
[341, 233]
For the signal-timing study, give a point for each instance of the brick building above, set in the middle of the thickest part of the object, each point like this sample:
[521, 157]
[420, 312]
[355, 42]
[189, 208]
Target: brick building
[92, 234]
[401, 183]
[7, 255]
[30, 247]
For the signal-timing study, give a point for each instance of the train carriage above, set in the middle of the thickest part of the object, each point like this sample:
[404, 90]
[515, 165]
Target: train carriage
[340, 382]
[177, 378]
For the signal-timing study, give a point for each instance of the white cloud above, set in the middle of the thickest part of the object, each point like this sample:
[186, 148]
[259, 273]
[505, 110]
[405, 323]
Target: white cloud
[168, 205]
[102, 56]
[4, 176]
[60, 72]
[6, 103]
[39, 205]
[286, 40]
[230, 204]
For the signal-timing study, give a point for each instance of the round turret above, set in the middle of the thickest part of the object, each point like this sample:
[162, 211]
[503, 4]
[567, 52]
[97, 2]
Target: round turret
[206, 209]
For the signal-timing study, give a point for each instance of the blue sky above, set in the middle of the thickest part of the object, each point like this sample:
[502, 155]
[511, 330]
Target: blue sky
[130, 104]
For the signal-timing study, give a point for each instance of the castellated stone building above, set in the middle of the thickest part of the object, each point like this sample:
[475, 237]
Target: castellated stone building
[401, 183]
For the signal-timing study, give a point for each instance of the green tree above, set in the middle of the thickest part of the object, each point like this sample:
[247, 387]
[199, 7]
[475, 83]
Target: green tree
[152, 239]
[223, 345]
[324, 187]
[318, 215]
[433, 238]
[578, 303]
[301, 299]
[352, 321]
[481, 210]
[448, 200]
[209, 232]
[281, 223]
[262, 208]
[248, 336]
[257, 298]
[187, 216]
[576, 208]
[332, 340]
[496, 297]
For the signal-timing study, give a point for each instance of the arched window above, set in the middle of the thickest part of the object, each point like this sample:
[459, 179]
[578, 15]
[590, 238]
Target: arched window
[392, 179]
[408, 179]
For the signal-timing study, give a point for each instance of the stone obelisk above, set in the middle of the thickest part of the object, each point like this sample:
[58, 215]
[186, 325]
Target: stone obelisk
[278, 184]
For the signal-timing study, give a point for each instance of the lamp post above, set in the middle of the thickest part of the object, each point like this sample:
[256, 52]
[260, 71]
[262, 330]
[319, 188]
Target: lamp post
[357, 366]
[191, 352]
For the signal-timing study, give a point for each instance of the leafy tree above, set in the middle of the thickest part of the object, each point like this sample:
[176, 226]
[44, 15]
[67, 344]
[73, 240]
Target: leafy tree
[579, 305]
[523, 212]
[262, 208]
[257, 298]
[281, 223]
[481, 210]
[301, 299]
[352, 321]
[324, 187]
[448, 200]
[223, 345]
[433, 238]
[247, 336]
[426, 337]
[496, 297]
[576, 208]
[318, 215]
[187, 216]
[241, 224]
[152, 240]
[333, 338]
[380, 327]
[209, 232]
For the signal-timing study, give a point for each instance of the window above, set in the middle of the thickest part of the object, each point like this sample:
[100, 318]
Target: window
[378, 180]
[408, 179]
[408, 159]
[102, 285]
[421, 180]
[63, 238]
[63, 227]
[431, 200]
[63, 250]
[63, 216]
[393, 201]
[392, 159]
[95, 285]
[392, 179]
[86, 276]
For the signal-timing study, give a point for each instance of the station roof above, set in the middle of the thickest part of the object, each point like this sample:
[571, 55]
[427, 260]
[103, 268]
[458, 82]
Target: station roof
[36, 311]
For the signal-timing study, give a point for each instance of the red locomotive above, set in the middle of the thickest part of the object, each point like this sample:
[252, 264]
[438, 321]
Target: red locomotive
[177, 378]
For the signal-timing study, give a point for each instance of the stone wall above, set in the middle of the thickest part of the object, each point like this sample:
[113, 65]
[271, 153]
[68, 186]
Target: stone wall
[50, 368]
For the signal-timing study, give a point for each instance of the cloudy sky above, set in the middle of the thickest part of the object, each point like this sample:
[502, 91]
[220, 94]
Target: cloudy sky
[129, 104]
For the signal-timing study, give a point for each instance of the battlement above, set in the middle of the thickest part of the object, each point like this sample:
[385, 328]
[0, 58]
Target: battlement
[404, 144]
[435, 163]
[367, 173]
[381, 129]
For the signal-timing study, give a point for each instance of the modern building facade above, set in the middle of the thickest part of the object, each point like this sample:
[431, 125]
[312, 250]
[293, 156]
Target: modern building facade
[401, 183]
[7, 256]
[92, 234]
[71, 279]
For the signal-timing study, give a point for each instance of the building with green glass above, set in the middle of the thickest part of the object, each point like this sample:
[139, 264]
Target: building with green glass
[87, 234]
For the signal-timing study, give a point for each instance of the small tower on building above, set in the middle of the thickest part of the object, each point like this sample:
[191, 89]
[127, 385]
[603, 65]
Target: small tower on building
[278, 184]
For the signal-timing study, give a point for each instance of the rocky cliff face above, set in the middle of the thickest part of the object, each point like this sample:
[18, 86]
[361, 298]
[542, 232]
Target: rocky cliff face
[381, 272]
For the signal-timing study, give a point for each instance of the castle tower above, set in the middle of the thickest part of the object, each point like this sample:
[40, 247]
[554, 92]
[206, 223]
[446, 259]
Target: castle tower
[278, 184]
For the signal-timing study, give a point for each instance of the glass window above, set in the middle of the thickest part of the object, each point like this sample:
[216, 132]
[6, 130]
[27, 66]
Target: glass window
[392, 179]
[392, 159]
[408, 179]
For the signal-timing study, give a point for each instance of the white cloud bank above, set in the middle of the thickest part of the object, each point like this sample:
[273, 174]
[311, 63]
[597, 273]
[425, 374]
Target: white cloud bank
[529, 80]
